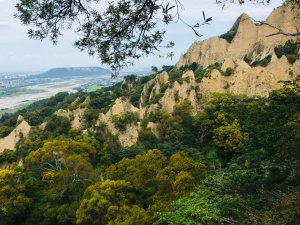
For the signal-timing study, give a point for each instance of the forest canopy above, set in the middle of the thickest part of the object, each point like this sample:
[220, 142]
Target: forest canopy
[234, 162]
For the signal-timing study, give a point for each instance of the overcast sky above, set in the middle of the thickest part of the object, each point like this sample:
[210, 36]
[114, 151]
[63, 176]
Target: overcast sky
[19, 53]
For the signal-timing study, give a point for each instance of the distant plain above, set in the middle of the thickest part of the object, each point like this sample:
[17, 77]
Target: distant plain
[20, 89]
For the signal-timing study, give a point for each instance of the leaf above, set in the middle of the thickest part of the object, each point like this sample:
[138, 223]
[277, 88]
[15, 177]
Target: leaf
[208, 20]
[172, 7]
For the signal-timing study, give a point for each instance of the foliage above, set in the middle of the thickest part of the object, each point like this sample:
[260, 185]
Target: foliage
[229, 35]
[259, 62]
[135, 93]
[102, 99]
[8, 120]
[121, 121]
[8, 156]
[147, 138]
[91, 116]
[167, 68]
[202, 207]
[200, 72]
[107, 202]
[229, 136]
[57, 175]
[249, 171]
[58, 125]
[12, 198]
[157, 180]
[262, 62]
[229, 71]
[284, 95]
[5, 131]
[289, 49]
[162, 90]
[36, 140]
[251, 185]
[248, 59]
[175, 75]
[292, 58]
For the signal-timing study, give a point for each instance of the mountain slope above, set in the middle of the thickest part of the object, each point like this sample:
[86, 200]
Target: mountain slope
[248, 39]
[248, 65]
[74, 71]
[215, 158]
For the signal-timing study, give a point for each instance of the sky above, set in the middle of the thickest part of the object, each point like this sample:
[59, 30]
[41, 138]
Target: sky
[20, 54]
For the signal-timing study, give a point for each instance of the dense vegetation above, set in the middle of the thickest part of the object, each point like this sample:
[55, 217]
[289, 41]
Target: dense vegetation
[264, 62]
[201, 72]
[290, 50]
[235, 162]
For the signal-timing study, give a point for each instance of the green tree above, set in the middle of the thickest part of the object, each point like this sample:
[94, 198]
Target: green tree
[179, 177]
[128, 215]
[229, 137]
[4, 131]
[53, 153]
[108, 202]
[58, 174]
[148, 139]
[8, 156]
[58, 125]
[13, 201]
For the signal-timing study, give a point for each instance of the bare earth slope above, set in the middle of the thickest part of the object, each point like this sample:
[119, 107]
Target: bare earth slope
[249, 39]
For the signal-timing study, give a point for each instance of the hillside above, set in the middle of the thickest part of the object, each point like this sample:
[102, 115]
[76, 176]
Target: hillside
[74, 71]
[253, 60]
[212, 140]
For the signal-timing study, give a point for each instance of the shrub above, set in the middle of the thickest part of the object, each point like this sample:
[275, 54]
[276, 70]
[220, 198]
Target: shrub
[4, 131]
[229, 71]
[8, 156]
[292, 58]
[284, 95]
[193, 66]
[167, 68]
[290, 50]
[156, 98]
[91, 115]
[58, 125]
[199, 74]
[247, 59]
[228, 36]
[130, 78]
[121, 121]
[148, 139]
[260, 62]
[175, 75]
[264, 62]
[229, 137]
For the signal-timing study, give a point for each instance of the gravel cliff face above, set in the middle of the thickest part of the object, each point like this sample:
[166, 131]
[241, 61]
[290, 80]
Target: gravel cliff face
[250, 39]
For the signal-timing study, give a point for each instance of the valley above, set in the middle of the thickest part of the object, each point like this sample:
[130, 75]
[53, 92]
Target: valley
[17, 90]
[211, 140]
